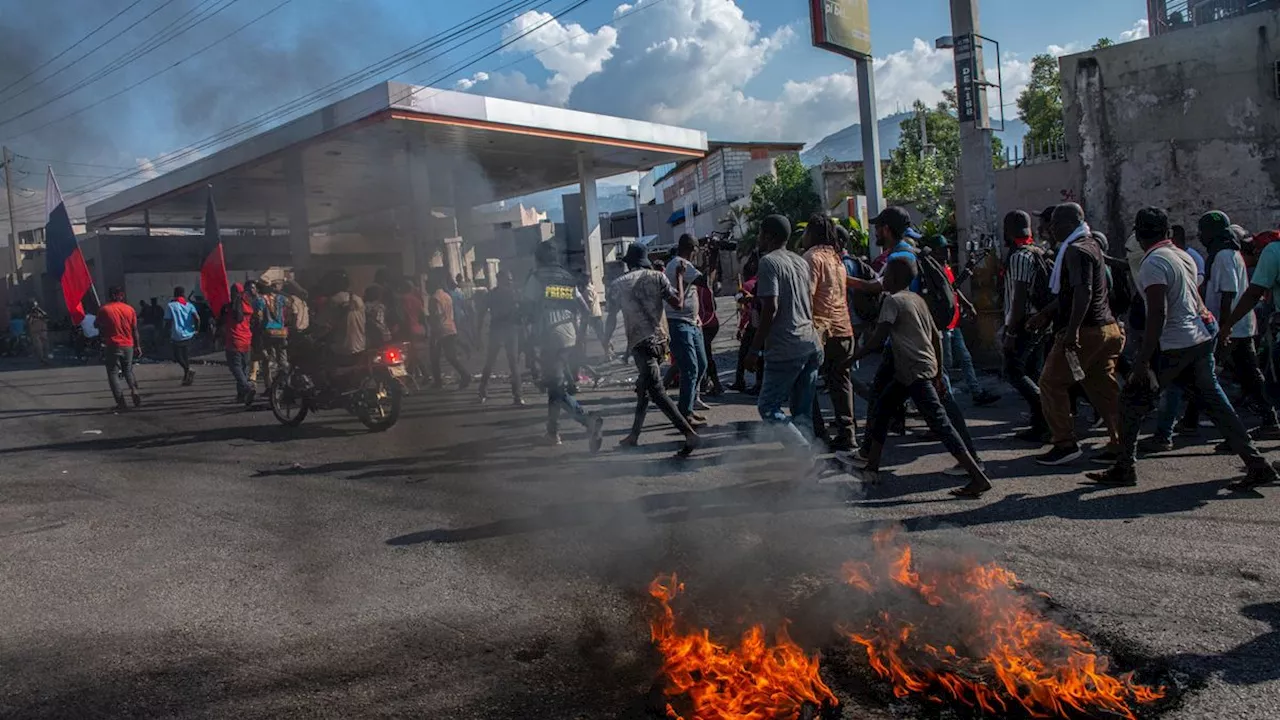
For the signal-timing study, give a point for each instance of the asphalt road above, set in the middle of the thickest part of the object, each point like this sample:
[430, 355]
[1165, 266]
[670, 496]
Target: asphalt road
[194, 560]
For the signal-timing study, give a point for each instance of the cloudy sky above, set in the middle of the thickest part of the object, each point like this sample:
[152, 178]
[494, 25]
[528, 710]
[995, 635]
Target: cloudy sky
[164, 79]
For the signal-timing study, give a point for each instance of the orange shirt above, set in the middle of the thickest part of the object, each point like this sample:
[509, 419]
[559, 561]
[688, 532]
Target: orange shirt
[830, 301]
[118, 322]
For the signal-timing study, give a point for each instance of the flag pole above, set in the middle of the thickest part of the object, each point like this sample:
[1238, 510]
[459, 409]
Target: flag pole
[93, 284]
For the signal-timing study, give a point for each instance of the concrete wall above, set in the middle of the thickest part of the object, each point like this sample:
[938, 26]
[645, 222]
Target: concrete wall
[1036, 186]
[1188, 121]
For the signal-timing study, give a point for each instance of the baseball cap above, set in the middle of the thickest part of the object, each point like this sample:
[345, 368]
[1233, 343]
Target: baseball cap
[637, 256]
[1214, 224]
[897, 219]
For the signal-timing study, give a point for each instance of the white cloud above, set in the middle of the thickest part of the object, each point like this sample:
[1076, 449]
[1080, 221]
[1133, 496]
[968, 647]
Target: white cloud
[467, 83]
[688, 62]
[1139, 30]
[146, 168]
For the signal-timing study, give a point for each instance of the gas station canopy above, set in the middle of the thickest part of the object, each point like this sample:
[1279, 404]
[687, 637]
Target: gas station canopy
[348, 165]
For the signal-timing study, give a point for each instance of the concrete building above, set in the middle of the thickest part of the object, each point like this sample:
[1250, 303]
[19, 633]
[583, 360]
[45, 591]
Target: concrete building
[1166, 16]
[699, 191]
[388, 178]
[1188, 121]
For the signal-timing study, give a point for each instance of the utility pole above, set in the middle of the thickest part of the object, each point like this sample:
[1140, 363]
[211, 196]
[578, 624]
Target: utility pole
[14, 256]
[976, 181]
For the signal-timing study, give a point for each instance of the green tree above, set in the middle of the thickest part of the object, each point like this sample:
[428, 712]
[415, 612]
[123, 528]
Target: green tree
[1040, 104]
[927, 179]
[1103, 43]
[787, 191]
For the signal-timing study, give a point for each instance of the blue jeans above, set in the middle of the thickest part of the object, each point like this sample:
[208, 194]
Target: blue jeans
[690, 355]
[1190, 371]
[954, 347]
[794, 381]
[555, 374]
[239, 364]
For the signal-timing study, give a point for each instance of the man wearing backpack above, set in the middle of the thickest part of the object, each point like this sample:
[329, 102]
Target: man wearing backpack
[270, 309]
[953, 342]
[1026, 292]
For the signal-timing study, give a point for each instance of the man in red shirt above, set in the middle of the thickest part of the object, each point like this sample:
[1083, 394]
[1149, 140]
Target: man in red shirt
[118, 323]
[237, 326]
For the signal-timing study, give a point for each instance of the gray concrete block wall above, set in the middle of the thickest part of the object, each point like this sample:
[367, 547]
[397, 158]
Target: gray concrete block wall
[1189, 121]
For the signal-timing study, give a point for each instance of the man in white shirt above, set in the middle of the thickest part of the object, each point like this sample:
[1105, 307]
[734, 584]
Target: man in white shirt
[1177, 350]
[1227, 281]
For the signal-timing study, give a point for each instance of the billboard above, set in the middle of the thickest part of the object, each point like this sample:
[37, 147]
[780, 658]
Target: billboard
[842, 26]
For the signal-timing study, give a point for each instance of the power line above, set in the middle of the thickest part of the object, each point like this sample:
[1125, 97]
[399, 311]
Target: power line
[73, 46]
[454, 33]
[150, 77]
[97, 47]
[309, 98]
[115, 65]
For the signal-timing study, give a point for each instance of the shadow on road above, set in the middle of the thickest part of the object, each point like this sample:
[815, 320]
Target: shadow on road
[755, 497]
[1250, 663]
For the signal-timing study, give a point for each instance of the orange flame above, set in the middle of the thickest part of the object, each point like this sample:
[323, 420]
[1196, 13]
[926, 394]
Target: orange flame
[1007, 654]
[753, 681]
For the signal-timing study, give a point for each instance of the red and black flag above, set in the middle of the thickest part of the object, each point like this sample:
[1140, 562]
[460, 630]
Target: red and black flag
[63, 260]
[213, 273]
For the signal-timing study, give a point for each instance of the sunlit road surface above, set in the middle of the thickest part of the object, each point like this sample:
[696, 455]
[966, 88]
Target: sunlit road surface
[194, 560]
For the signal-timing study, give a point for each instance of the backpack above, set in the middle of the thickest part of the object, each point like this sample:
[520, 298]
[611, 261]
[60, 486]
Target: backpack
[273, 317]
[936, 290]
[863, 307]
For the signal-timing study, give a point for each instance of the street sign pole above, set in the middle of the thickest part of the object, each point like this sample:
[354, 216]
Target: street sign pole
[844, 28]
[870, 137]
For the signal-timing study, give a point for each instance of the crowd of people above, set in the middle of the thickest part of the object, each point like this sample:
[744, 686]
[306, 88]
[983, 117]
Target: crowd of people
[1126, 329]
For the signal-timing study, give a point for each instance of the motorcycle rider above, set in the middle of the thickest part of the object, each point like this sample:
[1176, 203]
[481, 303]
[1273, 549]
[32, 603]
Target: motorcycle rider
[555, 306]
[340, 323]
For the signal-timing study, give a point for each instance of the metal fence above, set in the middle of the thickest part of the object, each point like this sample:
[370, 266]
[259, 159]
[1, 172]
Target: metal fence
[1054, 150]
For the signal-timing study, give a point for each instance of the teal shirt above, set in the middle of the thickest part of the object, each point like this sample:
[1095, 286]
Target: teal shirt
[1267, 273]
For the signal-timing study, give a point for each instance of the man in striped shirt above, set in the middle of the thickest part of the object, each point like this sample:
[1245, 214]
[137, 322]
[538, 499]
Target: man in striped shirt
[1023, 270]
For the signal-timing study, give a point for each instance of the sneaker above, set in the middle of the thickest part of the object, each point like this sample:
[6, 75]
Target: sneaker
[137, 400]
[483, 399]
[249, 397]
[865, 476]
[596, 438]
[958, 470]
[1061, 455]
[551, 440]
[1257, 477]
[1266, 432]
[1154, 444]
[754, 392]
[1032, 435]
[1108, 455]
[1116, 476]
[691, 443]
[842, 445]
[518, 402]
[628, 442]
[851, 460]
[985, 398]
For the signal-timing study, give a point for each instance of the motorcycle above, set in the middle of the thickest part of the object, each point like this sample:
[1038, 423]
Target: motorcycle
[372, 390]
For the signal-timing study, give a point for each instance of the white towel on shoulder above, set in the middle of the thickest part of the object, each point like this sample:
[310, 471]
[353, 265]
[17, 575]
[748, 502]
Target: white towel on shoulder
[1055, 280]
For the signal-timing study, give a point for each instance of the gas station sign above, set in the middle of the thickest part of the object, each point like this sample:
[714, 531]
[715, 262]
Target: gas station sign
[842, 26]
